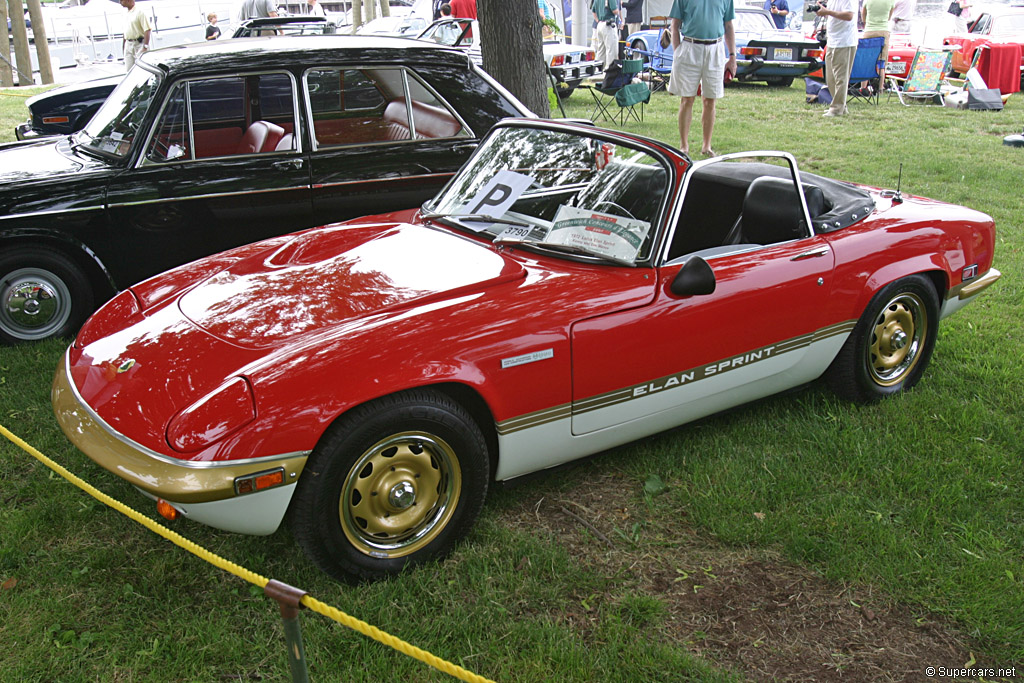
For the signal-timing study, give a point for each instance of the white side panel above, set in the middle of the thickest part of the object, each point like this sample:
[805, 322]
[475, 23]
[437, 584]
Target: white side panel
[256, 514]
[551, 443]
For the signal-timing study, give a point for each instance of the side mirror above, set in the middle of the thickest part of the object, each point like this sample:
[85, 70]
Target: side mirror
[695, 277]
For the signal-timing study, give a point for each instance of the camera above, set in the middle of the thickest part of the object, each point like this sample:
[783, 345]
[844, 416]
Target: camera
[610, 22]
[813, 7]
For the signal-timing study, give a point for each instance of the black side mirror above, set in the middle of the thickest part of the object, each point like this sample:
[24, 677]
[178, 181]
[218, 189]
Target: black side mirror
[695, 277]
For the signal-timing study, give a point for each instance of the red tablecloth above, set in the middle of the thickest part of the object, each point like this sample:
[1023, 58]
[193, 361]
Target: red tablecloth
[999, 65]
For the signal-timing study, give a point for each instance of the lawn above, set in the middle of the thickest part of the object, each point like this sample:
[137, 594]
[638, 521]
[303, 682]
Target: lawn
[797, 538]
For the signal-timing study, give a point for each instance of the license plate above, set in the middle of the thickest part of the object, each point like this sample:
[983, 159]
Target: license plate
[894, 67]
[783, 53]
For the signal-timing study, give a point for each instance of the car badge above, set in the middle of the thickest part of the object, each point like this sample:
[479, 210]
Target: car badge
[126, 366]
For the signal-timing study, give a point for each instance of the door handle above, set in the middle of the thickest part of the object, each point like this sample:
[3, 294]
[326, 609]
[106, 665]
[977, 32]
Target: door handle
[295, 163]
[813, 253]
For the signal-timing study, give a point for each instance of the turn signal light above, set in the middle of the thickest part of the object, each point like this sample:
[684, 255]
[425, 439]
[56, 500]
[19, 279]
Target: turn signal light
[166, 510]
[752, 51]
[815, 54]
[259, 481]
[558, 60]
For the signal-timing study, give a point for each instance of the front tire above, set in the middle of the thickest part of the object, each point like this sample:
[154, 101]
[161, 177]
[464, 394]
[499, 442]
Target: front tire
[890, 346]
[396, 482]
[43, 294]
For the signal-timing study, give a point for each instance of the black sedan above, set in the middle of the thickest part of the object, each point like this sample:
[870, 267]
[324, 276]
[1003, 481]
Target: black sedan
[209, 146]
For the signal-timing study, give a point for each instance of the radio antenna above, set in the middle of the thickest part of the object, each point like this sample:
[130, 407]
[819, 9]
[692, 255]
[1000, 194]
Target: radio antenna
[898, 197]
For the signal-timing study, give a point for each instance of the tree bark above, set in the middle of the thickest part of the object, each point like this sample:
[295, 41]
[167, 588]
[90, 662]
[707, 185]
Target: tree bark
[510, 41]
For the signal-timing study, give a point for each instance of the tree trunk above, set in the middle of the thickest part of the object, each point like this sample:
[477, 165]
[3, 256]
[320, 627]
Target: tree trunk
[510, 41]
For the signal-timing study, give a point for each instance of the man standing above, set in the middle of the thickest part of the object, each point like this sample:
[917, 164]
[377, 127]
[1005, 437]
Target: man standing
[902, 13]
[315, 9]
[257, 9]
[698, 61]
[606, 38]
[634, 15]
[840, 49]
[779, 10]
[137, 32]
[463, 9]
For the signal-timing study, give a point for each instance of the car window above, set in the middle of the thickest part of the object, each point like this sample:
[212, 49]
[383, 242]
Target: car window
[366, 106]
[752, 22]
[116, 125]
[228, 116]
[454, 32]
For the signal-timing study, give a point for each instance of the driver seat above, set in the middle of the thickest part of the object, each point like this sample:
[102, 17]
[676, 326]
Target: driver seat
[772, 212]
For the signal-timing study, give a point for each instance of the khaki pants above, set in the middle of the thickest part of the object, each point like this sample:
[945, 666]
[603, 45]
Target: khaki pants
[885, 45]
[838, 62]
[132, 51]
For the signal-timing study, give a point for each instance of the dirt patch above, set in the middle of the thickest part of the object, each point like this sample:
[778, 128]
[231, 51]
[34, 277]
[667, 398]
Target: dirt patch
[747, 610]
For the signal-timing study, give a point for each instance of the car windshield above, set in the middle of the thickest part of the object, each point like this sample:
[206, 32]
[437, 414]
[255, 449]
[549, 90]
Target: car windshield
[117, 122]
[560, 191]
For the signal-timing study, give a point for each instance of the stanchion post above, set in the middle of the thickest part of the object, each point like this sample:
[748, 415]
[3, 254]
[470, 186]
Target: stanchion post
[288, 599]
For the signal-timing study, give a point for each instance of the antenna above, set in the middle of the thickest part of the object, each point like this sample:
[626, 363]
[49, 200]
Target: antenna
[898, 197]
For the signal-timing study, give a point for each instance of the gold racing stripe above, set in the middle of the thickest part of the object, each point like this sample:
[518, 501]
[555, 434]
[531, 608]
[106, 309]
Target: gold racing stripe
[676, 379]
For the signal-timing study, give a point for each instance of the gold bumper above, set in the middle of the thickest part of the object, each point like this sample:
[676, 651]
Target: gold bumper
[163, 476]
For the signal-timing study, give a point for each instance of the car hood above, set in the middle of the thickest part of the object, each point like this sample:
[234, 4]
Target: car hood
[332, 276]
[47, 159]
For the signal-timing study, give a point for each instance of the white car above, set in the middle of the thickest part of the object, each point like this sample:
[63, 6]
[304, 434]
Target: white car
[569, 65]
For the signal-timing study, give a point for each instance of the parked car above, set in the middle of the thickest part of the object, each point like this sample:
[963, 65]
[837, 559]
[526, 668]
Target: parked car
[208, 146]
[571, 289]
[66, 109]
[763, 52]
[901, 55]
[570, 65]
[992, 23]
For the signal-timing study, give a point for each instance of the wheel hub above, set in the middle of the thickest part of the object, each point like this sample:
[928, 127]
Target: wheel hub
[31, 304]
[896, 339]
[402, 495]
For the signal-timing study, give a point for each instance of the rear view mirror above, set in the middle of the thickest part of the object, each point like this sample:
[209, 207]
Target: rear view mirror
[694, 278]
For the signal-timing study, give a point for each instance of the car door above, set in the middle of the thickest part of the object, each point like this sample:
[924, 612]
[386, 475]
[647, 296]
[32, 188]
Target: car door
[763, 329]
[382, 140]
[223, 166]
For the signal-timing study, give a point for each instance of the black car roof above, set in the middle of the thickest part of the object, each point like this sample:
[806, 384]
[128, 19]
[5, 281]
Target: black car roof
[279, 51]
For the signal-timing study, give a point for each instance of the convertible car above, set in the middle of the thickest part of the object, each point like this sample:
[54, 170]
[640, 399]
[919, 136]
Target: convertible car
[209, 146]
[992, 23]
[571, 289]
[764, 52]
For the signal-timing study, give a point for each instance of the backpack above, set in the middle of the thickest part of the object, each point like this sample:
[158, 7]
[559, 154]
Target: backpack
[613, 76]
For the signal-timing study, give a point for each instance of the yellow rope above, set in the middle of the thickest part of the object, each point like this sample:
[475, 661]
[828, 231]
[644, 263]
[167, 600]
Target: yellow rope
[252, 577]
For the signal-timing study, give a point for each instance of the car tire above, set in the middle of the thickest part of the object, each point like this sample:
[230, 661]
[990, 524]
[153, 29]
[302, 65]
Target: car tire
[43, 294]
[779, 81]
[890, 346]
[641, 45]
[395, 482]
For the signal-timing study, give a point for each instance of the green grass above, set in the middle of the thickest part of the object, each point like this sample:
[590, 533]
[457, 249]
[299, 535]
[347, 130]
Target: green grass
[920, 498]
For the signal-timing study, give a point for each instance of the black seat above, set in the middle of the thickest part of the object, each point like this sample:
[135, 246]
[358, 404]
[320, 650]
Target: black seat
[772, 212]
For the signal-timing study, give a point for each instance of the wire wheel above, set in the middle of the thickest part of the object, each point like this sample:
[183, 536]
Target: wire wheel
[400, 494]
[897, 338]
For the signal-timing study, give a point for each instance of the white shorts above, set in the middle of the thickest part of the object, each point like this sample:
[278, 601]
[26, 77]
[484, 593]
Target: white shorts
[694, 64]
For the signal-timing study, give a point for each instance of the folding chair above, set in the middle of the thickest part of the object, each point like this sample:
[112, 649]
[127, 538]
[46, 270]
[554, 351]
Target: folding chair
[657, 65]
[925, 78]
[626, 96]
[867, 68]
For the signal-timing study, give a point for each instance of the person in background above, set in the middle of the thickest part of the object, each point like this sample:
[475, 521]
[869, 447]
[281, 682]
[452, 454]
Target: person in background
[463, 9]
[137, 32]
[634, 16]
[779, 10]
[315, 9]
[876, 15]
[839, 52]
[212, 32]
[698, 61]
[963, 20]
[606, 37]
[256, 9]
[902, 13]
[446, 10]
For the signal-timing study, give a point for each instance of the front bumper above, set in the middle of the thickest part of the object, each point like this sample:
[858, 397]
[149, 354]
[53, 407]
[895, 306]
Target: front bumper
[25, 131]
[204, 491]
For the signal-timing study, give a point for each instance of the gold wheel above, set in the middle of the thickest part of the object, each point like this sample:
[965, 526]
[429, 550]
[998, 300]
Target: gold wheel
[400, 494]
[897, 339]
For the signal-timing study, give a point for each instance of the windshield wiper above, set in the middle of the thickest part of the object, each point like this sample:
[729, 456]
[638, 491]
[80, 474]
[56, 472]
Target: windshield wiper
[474, 218]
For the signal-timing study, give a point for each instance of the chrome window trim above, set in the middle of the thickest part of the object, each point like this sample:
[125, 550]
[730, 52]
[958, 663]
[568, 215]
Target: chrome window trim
[143, 161]
[406, 72]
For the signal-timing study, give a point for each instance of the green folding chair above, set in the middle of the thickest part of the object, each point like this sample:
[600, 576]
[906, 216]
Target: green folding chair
[626, 98]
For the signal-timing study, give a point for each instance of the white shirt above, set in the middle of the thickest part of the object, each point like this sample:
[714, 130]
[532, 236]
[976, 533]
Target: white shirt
[842, 33]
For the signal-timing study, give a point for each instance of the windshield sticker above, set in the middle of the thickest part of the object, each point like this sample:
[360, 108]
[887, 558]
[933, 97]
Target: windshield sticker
[599, 233]
[603, 155]
[498, 194]
[518, 233]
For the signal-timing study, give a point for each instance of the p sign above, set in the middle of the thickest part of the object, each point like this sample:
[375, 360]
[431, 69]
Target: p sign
[498, 194]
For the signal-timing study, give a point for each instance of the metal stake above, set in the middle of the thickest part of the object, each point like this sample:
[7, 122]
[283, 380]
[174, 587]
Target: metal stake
[288, 599]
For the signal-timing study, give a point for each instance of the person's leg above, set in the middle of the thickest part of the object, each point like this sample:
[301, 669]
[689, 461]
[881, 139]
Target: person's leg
[830, 80]
[685, 117]
[844, 63]
[707, 123]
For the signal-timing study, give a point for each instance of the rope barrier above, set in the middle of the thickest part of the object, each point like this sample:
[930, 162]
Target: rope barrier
[247, 575]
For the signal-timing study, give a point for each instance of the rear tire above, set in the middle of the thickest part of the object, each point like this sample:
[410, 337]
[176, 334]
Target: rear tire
[890, 346]
[779, 81]
[396, 482]
[43, 294]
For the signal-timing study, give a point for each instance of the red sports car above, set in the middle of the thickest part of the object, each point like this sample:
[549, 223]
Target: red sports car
[571, 289]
